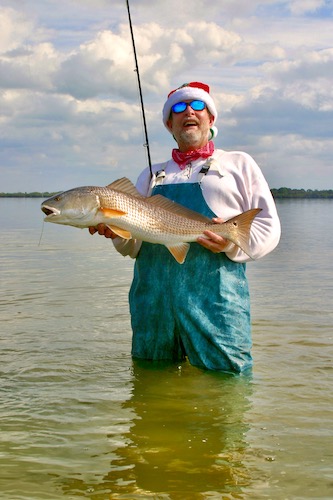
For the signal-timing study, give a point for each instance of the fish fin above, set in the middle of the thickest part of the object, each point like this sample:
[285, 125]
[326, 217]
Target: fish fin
[179, 251]
[120, 232]
[176, 208]
[111, 212]
[241, 226]
[124, 185]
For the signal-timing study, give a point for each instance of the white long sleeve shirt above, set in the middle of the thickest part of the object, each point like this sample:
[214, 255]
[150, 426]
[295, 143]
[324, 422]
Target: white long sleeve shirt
[233, 184]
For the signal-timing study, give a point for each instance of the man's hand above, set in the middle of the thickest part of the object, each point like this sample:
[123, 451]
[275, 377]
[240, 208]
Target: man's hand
[103, 230]
[214, 242]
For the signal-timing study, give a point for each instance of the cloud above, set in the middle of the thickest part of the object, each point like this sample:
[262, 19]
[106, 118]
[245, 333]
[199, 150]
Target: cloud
[15, 28]
[305, 81]
[31, 67]
[299, 7]
[105, 62]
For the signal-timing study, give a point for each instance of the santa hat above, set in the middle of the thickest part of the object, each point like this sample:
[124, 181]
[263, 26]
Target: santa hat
[191, 91]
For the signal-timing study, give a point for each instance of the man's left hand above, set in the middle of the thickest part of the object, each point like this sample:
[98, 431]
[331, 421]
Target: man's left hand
[213, 241]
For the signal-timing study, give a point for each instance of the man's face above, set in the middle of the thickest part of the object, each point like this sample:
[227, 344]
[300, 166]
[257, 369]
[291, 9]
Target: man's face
[190, 128]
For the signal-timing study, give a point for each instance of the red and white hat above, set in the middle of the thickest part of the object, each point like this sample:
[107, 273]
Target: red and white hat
[193, 90]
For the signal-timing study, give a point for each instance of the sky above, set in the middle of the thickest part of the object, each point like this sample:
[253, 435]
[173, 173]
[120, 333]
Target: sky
[70, 110]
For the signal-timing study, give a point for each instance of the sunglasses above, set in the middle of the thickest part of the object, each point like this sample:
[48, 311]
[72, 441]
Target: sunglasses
[196, 105]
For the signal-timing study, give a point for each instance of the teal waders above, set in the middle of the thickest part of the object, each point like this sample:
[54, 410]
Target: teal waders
[199, 310]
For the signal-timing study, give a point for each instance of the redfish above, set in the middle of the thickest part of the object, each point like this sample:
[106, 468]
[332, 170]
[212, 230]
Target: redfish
[154, 219]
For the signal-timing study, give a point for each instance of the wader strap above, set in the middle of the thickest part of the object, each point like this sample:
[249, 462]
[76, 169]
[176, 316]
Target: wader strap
[204, 170]
[211, 164]
[157, 179]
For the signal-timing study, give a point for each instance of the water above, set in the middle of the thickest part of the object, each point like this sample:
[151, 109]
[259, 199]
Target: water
[80, 420]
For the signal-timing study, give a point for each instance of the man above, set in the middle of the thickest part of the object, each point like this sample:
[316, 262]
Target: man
[201, 309]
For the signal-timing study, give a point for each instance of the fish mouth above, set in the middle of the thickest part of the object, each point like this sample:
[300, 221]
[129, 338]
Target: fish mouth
[50, 211]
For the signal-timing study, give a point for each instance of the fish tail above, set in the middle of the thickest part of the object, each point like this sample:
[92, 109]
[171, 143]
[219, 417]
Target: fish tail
[240, 227]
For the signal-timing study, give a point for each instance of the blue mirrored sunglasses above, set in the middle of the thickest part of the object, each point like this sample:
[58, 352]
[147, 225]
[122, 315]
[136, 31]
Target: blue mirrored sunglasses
[196, 105]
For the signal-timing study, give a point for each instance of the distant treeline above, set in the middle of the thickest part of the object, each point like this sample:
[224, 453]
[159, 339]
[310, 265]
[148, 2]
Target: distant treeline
[27, 195]
[277, 193]
[302, 193]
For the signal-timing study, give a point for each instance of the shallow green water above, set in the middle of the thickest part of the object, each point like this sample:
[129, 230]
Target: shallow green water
[80, 420]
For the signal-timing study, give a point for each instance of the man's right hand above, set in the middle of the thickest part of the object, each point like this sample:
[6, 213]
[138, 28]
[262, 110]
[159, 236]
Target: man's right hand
[103, 230]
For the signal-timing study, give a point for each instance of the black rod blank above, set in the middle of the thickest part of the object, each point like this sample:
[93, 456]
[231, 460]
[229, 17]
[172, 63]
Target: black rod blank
[140, 90]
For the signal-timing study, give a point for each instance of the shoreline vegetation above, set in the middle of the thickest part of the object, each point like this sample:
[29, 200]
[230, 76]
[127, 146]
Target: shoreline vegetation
[279, 194]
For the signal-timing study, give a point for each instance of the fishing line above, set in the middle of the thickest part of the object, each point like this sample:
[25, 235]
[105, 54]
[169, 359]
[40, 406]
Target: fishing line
[146, 145]
[41, 234]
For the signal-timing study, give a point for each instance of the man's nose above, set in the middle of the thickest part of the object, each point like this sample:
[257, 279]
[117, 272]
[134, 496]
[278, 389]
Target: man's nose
[189, 109]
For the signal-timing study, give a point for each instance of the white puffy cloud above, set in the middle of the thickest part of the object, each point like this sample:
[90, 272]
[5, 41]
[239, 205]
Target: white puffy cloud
[14, 29]
[303, 89]
[30, 67]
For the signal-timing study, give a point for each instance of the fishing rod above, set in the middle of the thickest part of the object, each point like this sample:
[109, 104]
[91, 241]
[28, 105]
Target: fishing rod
[146, 145]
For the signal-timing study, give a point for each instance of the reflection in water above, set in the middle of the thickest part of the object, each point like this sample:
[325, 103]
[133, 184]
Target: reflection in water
[186, 438]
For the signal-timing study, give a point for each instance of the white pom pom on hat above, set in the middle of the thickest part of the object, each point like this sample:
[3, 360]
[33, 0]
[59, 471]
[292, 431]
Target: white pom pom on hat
[193, 90]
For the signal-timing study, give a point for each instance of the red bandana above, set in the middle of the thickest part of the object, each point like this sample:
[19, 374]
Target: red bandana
[184, 159]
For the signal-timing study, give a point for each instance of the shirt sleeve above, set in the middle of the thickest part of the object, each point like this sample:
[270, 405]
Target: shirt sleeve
[243, 188]
[132, 247]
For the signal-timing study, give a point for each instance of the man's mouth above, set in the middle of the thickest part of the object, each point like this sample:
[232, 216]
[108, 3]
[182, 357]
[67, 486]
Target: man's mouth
[190, 123]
